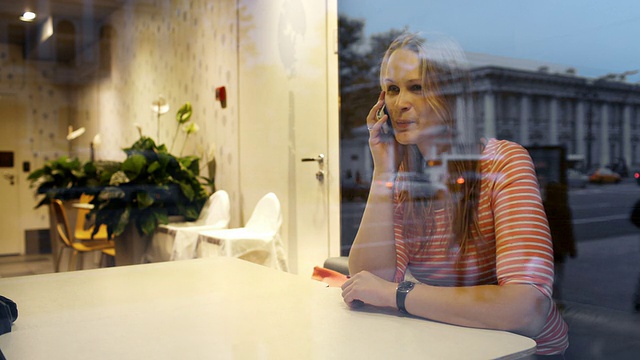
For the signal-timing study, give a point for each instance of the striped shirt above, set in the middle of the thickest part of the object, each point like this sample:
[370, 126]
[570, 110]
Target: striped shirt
[517, 245]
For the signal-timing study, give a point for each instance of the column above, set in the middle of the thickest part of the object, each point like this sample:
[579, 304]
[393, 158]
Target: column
[462, 120]
[580, 133]
[604, 135]
[626, 134]
[472, 117]
[489, 115]
[525, 113]
[553, 121]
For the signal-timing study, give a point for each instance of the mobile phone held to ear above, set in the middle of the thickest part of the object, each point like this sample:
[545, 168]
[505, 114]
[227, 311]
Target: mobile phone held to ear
[387, 128]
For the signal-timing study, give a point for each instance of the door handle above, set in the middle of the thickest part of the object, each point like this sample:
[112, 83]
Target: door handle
[319, 159]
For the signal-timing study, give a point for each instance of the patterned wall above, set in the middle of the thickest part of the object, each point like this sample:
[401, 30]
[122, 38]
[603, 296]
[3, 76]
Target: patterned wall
[181, 50]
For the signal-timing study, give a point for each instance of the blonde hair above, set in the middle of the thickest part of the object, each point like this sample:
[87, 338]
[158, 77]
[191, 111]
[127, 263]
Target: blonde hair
[442, 68]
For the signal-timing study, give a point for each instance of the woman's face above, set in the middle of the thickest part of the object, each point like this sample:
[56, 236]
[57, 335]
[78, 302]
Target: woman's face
[414, 120]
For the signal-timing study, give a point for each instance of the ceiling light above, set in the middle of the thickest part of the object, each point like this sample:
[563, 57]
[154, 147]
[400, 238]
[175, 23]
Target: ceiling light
[28, 16]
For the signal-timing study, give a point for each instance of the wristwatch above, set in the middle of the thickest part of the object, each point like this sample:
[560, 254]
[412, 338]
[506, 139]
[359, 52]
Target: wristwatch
[401, 294]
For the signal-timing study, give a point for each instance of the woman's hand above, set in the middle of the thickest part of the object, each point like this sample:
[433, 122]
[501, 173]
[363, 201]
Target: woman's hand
[383, 146]
[369, 289]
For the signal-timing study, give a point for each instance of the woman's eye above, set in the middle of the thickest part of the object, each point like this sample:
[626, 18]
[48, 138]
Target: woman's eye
[392, 89]
[416, 88]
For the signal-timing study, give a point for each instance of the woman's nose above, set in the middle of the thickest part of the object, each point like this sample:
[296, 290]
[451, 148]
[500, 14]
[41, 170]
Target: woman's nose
[402, 101]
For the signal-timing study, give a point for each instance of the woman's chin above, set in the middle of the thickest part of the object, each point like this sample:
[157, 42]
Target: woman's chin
[405, 138]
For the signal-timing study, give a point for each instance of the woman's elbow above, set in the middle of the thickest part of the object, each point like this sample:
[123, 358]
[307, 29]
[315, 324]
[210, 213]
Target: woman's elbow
[532, 316]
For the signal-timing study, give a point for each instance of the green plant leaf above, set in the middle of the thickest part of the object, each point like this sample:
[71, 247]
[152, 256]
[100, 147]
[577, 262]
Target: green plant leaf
[121, 222]
[191, 213]
[162, 217]
[153, 167]
[118, 178]
[187, 191]
[133, 166]
[184, 113]
[144, 199]
[36, 174]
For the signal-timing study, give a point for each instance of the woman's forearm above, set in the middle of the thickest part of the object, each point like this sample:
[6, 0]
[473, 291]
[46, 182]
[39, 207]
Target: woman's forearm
[517, 308]
[373, 248]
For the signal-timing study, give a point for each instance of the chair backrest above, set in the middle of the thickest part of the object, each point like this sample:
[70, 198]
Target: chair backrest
[60, 221]
[266, 216]
[218, 212]
[81, 217]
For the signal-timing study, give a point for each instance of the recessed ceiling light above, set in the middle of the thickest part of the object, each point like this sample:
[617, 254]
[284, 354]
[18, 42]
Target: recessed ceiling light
[28, 16]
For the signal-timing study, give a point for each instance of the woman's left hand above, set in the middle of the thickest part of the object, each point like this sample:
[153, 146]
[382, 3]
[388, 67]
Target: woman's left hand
[369, 289]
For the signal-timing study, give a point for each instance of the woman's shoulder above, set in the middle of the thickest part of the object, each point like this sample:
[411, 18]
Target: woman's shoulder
[495, 147]
[502, 154]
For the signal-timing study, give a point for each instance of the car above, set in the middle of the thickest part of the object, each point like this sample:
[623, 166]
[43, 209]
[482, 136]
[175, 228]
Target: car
[604, 175]
[577, 179]
[620, 167]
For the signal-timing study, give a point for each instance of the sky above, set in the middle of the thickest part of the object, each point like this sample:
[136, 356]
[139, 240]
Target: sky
[594, 37]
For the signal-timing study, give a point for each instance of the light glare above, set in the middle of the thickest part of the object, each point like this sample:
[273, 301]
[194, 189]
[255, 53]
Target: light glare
[28, 16]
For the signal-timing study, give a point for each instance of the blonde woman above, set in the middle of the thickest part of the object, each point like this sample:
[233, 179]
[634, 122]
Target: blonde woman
[466, 220]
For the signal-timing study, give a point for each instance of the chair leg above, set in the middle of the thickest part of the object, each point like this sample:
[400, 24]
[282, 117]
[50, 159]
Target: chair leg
[57, 264]
[80, 260]
[73, 263]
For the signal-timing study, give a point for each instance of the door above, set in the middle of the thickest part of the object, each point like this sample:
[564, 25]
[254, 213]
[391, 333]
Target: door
[315, 91]
[288, 111]
[12, 234]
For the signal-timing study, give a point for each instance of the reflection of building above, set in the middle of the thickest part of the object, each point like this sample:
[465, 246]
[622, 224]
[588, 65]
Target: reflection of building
[599, 119]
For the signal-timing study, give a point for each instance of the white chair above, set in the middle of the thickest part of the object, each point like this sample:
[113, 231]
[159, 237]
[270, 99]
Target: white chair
[177, 241]
[258, 241]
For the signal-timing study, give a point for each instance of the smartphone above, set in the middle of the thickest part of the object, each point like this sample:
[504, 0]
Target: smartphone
[387, 128]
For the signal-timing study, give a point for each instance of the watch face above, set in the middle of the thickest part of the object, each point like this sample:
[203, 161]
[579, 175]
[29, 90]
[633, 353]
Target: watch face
[405, 286]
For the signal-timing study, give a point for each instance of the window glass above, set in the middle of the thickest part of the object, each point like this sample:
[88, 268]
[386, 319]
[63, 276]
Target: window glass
[561, 79]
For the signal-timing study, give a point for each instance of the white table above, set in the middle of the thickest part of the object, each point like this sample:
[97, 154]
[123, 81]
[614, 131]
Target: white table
[221, 308]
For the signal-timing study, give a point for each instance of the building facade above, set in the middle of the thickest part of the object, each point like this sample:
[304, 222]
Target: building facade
[597, 120]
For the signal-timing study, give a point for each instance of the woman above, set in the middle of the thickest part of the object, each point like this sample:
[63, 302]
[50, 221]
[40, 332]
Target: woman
[478, 245]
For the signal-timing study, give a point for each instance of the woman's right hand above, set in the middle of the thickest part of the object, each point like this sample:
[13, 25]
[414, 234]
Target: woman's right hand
[383, 146]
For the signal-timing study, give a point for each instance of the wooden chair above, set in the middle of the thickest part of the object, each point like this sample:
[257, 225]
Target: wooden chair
[82, 231]
[61, 223]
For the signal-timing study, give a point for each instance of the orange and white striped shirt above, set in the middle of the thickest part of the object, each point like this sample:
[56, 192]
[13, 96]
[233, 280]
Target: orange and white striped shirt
[517, 244]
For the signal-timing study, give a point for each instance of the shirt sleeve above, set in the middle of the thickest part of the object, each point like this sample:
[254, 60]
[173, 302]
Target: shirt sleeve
[524, 252]
[402, 252]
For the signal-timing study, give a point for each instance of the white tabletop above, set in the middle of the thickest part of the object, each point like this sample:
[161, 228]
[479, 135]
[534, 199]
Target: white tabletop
[221, 308]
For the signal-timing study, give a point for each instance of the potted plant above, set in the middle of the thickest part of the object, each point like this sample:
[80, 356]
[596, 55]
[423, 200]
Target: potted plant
[67, 179]
[150, 186]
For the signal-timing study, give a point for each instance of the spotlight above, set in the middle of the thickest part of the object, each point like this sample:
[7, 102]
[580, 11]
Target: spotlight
[28, 16]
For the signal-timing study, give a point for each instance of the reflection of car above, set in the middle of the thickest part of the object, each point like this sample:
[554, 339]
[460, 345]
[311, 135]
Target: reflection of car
[577, 179]
[636, 175]
[604, 175]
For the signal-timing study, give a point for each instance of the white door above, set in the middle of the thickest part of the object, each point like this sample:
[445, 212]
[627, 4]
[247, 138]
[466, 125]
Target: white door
[11, 233]
[288, 111]
[315, 100]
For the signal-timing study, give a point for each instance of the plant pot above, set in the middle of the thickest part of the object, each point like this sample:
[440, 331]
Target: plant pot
[131, 246]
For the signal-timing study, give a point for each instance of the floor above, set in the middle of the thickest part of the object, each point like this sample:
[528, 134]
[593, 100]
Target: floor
[11, 266]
